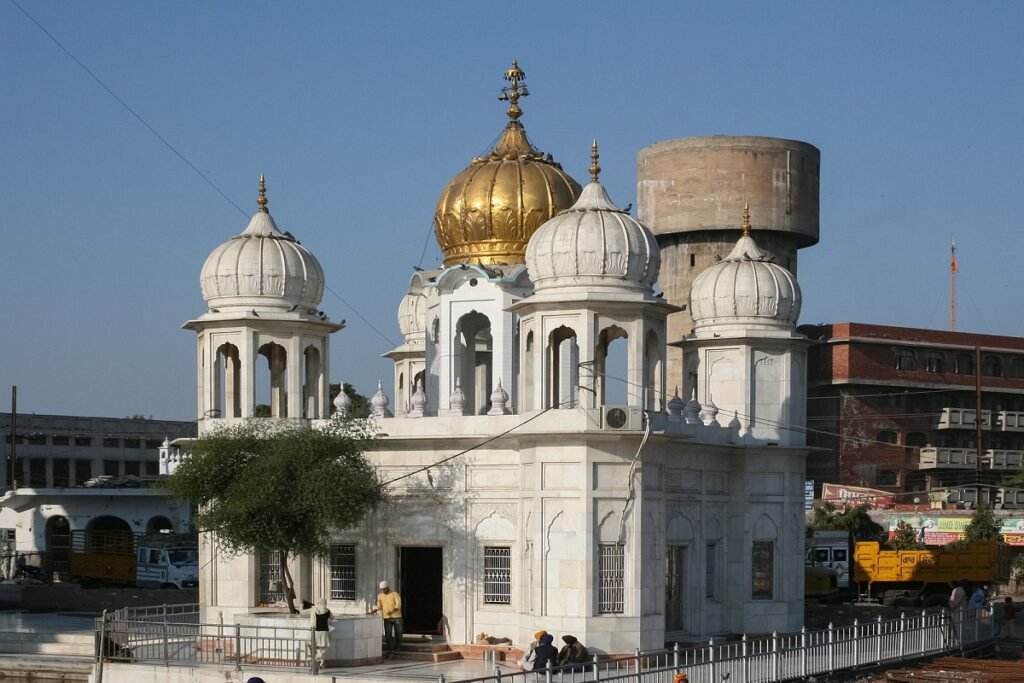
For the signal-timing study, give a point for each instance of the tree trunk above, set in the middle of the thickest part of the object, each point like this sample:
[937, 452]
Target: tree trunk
[289, 583]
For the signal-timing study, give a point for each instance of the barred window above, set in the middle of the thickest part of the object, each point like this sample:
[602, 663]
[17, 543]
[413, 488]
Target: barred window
[497, 575]
[271, 583]
[611, 572]
[343, 572]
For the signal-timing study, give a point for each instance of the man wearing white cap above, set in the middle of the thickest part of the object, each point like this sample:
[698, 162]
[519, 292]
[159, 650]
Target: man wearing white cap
[389, 604]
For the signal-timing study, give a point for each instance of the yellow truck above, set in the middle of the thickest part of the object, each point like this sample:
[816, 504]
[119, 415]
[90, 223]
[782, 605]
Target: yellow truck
[144, 560]
[926, 577]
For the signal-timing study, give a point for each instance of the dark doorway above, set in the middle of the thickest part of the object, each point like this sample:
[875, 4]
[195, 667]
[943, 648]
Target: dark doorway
[419, 584]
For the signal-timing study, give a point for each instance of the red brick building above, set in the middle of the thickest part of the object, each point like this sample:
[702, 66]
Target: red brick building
[895, 409]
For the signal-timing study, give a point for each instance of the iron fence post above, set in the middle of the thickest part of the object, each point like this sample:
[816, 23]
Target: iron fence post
[497, 673]
[547, 671]
[803, 651]
[597, 670]
[675, 658]
[164, 611]
[167, 647]
[856, 642]
[636, 661]
[238, 647]
[831, 658]
[711, 658]
[440, 679]
[746, 660]
[903, 635]
[775, 655]
[99, 654]
[878, 640]
[314, 661]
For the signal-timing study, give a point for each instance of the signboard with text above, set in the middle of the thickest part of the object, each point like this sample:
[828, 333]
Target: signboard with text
[843, 496]
[935, 530]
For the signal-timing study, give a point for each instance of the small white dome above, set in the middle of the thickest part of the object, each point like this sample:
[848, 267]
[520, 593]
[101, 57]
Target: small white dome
[593, 244]
[411, 315]
[745, 287]
[262, 267]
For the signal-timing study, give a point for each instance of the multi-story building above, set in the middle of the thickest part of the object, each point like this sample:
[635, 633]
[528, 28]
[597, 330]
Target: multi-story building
[72, 473]
[894, 408]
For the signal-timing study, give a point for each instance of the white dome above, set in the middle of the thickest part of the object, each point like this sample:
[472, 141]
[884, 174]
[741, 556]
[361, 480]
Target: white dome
[745, 286]
[262, 267]
[411, 316]
[593, 244]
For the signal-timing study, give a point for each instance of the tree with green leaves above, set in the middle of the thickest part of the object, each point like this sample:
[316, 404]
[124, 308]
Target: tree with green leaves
[854, 519]
[983, 526]
[905, 537]
[281, 486]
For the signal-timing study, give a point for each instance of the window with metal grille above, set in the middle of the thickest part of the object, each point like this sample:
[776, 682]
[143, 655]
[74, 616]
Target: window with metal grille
[271, 583]
[710, 577]
[611, 573]
[497, 575]
[343, 572]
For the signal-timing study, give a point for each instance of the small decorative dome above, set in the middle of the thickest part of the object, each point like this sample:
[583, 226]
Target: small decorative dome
[342, 403]
[380, 402]
[262, 267]
[488, 212]
[745, 286]
[411, 316]
[593, 244]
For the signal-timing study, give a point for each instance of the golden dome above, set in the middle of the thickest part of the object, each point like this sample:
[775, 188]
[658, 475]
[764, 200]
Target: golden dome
[489, 211]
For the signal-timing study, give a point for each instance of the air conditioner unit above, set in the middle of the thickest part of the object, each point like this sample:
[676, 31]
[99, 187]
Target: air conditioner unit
[622, 418]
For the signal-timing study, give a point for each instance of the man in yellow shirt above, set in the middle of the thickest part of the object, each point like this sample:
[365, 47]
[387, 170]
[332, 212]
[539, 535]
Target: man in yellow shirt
[389, 604]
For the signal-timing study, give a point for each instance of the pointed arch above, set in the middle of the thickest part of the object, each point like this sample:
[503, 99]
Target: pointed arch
[562, 356]
[312, 370]
[654, 372]
[227, 377]
[277, 366]
[472, 361]
[611, 371]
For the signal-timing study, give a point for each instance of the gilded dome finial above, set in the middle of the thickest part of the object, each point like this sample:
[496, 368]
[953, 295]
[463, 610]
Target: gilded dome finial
[595, 168]
[746, 219]
[262, 199]
[513, 92]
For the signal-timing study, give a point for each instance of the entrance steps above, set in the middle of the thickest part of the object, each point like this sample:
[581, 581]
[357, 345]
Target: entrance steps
[52, 644]
[434, 649]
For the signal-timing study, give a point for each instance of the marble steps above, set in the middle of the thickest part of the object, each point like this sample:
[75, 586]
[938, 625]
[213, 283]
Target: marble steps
[55, 644]
[420, 651]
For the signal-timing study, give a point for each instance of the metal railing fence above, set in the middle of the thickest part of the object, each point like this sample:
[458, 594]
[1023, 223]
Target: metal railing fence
[187, 613]
[781, 658]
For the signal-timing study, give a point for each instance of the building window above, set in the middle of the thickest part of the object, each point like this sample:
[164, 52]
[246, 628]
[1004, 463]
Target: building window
[965, 364]
[83, 471]
[111, 468]
[83, 440]
[886, 436]
[61, 472]
[343, 572]
[131, 468]
[37, 439]
[710, 570]
[886, 478]
[611, 573]
[271, 583]
[906, 360]
[993, 366]
[37, 473]
[936, 362]
[1017, 368]
[762, 564]
[153, 444]
[61, 441]
[916, 440]
[152, 468]
[110, 442]
[693, 260]
[497, 575]
[132, 443]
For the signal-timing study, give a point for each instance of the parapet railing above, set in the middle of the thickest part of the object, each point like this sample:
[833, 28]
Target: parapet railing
[180, 613]
[782, 658]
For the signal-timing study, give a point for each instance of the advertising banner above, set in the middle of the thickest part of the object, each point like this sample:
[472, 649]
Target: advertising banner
[842, 496]
[934, 530]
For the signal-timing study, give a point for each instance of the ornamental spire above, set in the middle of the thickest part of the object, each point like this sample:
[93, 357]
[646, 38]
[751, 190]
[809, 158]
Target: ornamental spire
[746, 219]
[511, 93]
[262, 199]
[595, 168]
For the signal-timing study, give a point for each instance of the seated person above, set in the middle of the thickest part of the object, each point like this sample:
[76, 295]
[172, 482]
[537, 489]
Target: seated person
[572, 652]
[544, 653]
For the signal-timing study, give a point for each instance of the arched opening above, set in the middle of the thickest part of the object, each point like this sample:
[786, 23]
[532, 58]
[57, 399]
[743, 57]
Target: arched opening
[527, 379]
[563, 361]
[227, 397]
[58, 543]
[993, 366]
[277, 366]
[311, 381]
[965, 364]
[159, 524]
[611, 358]
[1017, 368]
[472, 360]
[654, 380]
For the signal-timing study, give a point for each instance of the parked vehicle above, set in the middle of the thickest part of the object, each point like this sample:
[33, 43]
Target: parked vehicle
[926, 577]
[830, 549]
[145, 560]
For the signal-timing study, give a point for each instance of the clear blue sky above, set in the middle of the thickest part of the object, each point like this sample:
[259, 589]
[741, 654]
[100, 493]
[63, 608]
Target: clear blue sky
[359, 114]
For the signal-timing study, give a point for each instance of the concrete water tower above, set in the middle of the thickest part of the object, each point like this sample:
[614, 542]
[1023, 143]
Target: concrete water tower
[691, 193]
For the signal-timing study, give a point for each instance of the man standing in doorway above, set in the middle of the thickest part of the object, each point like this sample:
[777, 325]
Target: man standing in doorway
[389, 604]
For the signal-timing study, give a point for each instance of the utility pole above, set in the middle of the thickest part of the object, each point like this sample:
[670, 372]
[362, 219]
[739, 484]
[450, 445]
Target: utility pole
[977, 422]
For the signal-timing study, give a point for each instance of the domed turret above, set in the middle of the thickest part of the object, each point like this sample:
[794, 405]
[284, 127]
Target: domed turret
[745, 287]
[411, 317]
[593, 244]
[488, 212]
[262, 267]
